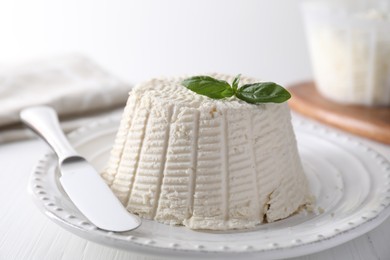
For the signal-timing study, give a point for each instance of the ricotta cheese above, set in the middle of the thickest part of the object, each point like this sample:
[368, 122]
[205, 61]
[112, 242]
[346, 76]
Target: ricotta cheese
[185, 159]
[350, 52]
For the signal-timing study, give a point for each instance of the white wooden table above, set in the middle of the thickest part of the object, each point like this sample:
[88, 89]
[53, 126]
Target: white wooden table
[25, 233]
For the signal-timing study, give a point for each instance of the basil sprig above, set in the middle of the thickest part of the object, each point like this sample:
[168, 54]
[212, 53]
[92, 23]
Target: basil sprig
[255, 93]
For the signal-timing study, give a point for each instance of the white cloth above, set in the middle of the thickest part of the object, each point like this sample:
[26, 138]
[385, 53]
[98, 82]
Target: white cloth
[78, 89]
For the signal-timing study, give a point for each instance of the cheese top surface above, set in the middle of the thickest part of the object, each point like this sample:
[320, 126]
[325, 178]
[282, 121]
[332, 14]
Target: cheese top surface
[170, 91]
[185, 159]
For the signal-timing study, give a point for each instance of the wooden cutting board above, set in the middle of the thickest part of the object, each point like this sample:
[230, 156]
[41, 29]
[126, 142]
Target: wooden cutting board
[369, 122]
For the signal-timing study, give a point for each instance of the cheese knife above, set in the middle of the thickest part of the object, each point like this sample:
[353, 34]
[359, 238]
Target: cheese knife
[81, 182]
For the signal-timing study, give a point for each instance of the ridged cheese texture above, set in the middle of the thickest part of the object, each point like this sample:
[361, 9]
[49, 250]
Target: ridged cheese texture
[181, 158]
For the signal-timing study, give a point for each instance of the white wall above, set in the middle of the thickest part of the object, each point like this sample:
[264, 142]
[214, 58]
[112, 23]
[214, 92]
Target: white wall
[146, 38]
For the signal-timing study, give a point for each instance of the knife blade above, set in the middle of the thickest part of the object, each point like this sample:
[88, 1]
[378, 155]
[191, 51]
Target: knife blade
[81, 182]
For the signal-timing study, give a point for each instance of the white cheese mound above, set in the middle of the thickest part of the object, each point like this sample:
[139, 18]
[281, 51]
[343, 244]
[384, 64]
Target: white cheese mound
[185, 159]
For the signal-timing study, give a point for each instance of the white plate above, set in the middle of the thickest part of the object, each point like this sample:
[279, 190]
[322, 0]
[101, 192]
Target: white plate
[350, 181]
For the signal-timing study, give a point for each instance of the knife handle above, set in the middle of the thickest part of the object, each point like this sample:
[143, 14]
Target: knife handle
[44, 122]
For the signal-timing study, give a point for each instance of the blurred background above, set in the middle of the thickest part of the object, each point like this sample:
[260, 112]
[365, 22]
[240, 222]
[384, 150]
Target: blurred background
[136, 40]
[115, 44]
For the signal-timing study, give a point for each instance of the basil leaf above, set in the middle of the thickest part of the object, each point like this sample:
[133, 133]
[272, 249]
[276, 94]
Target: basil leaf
[208, 86]
[262, 93]
[255, 93]
[229, 92]
[235, 82]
